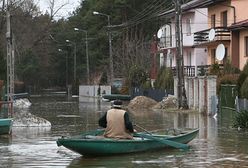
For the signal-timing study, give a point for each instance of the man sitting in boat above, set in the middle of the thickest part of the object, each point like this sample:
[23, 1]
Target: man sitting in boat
[117, 123]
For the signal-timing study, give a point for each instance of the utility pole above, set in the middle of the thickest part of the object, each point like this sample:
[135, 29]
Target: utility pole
[181, 93]
[110, 53]
[10, 62]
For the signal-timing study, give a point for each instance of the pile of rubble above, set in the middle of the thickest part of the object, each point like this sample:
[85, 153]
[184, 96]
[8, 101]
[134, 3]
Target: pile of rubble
[143, 102]
[167, 102]
[140, 102]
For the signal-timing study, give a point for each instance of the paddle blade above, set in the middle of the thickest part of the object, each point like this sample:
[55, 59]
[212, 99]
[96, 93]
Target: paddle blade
[164, 141]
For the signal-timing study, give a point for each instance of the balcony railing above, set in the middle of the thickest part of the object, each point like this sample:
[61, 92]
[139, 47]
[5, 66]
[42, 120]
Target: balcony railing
[221, 33]
[191, 71]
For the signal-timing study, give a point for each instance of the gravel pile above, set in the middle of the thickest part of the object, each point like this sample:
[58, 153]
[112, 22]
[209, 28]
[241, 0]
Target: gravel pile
[167, 102]
[141, 102]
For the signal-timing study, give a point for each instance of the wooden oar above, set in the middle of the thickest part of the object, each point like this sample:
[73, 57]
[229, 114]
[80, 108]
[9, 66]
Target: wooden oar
[164, 141]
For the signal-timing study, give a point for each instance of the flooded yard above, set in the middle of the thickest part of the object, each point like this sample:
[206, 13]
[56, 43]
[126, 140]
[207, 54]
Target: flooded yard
[217, 145]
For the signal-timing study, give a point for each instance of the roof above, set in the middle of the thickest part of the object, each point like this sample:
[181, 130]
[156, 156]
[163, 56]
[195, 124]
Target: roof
[192, 5]
[239, 25]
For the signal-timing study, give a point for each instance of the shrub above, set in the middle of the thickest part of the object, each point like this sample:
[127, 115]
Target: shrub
[215, 69]
[244, 89]
[229, 69]
[164, 79]
[226, 79]
[241, 119]
[229, 75]
[137, 76]
[242, 78]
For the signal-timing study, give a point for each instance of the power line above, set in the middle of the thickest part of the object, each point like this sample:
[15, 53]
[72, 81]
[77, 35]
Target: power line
[147, 10]
[146, 14]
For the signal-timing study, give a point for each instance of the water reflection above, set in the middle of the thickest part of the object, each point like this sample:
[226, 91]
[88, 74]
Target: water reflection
[218, 145]
[5, 140]
[31, 132]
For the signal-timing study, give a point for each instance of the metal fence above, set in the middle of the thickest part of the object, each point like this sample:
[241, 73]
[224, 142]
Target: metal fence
[228, 96]
[229, 99]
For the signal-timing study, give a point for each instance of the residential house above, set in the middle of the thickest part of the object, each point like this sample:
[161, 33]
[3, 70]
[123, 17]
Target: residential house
[192, 21]
[228, 19]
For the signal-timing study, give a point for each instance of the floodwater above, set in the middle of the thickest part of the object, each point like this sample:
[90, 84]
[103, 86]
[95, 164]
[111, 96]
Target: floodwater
[218, 145]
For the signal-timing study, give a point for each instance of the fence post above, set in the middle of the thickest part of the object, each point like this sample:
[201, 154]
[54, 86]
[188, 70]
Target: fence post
[175, 87]
[191, 92]
[202, 94]
[211, 94]
[196, 93]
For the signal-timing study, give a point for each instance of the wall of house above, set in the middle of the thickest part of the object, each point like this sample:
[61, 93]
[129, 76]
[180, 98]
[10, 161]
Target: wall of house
[211, 60]
[235, 53]
[188, 38]
[243, 57]
[200, 55]
[173, 34]
[200, 20]
[241, 9]
[217, 10]
[186, 58]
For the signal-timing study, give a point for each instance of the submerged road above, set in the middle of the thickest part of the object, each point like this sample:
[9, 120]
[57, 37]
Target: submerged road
[218, 145]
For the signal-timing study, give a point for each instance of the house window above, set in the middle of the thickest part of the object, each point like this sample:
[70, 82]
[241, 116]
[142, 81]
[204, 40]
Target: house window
[224, 18]
[246, 46]
[188, 27]
[212, 21]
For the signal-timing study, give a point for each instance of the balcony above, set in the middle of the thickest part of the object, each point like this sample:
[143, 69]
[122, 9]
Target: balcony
[221, 34]
[165, 42]
[191, 71]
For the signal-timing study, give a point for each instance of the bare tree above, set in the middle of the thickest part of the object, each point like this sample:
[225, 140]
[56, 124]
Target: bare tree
[130, 51]
[54, 8]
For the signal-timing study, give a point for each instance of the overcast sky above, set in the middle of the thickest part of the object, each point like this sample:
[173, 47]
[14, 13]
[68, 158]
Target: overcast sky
[70, 6]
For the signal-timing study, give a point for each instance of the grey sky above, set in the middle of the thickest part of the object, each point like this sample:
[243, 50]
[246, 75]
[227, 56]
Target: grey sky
[70, 6]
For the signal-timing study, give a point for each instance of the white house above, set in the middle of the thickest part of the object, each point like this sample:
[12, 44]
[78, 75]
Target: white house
[193, 20]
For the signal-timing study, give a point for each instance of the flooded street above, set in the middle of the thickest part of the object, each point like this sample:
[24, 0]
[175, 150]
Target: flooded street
[218, 145]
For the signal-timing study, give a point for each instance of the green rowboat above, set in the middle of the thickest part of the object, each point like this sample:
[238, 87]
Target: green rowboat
[5, 126]
[93, 144]
[111, 97]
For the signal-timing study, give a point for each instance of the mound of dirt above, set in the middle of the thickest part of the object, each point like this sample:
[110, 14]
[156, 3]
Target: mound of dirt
[168, 102]
[141, 102]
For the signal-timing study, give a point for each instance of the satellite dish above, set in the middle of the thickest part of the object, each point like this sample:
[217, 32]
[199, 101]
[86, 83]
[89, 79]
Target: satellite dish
[220, 52]
[159, 34]
[211, 35]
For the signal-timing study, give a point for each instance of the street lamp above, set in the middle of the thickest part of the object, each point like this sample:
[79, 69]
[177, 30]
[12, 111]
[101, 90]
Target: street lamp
[66, 67]
[87, 53]
[75, 59]
[110, 47]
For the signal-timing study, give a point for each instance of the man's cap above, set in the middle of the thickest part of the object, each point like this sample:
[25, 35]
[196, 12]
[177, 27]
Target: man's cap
[117, 103]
